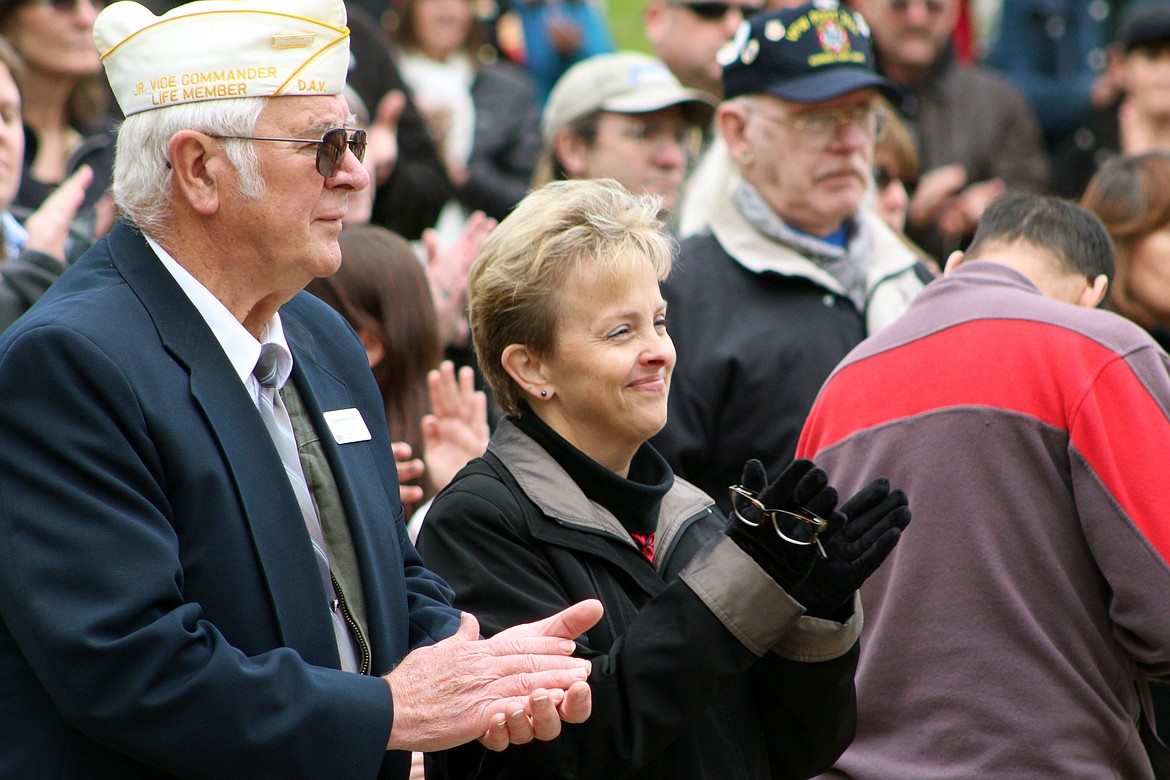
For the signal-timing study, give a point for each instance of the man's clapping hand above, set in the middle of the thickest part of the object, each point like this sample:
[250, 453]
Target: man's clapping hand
[517, 686]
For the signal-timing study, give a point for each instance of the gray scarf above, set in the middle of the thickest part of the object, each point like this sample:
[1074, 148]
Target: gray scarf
[849, 266]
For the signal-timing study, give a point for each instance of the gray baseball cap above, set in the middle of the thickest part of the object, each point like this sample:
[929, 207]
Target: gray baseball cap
[622, 82]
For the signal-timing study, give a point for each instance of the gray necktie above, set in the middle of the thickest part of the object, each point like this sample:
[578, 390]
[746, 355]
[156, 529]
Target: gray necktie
[280, 428]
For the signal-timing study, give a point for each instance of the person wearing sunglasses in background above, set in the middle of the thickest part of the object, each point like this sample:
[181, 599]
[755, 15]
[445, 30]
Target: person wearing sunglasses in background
[37, 249]
[977, 134]
[67, 119]
[205, 570]
[687, 35]
[895, 176]
[793, 271]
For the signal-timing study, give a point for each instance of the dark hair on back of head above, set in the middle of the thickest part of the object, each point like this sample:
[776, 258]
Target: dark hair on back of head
[1074, 236]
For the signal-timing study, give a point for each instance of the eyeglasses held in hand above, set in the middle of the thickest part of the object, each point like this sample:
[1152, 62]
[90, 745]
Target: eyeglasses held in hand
[717, 12]
[802, 528]
[825, 125]
[330, 148]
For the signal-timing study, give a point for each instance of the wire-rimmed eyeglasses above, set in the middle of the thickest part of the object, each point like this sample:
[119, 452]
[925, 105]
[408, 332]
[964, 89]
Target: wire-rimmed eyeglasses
[823, 125]
[330, 147]
[803, 527]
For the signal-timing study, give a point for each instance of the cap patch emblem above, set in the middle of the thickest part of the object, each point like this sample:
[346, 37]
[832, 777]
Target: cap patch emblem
[293, 41]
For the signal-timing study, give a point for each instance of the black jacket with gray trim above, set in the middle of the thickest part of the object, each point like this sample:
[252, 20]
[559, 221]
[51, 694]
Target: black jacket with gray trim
[702, 666]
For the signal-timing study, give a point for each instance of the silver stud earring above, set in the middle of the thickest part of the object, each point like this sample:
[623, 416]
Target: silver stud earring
[544, 393]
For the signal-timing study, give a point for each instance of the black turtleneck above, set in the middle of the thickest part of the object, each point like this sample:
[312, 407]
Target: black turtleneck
[635, 501]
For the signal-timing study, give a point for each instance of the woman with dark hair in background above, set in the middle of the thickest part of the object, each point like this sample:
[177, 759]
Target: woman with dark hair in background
[382, 291]
[434, 415]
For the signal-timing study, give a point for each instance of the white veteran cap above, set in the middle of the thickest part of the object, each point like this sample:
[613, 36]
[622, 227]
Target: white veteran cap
[213, 49]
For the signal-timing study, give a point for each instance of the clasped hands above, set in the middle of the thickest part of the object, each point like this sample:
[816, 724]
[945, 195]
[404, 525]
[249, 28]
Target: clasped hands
[517, 686]
[828, 552]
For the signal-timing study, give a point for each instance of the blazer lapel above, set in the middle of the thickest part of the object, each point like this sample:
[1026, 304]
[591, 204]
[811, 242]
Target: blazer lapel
[368, 509]
[269, 505]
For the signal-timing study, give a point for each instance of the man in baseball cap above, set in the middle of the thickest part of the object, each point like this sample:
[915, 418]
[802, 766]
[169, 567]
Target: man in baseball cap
[791, 271]
[205, 571]
[623, 116]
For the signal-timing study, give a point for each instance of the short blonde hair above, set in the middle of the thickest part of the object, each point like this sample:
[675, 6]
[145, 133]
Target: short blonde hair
[516, 284]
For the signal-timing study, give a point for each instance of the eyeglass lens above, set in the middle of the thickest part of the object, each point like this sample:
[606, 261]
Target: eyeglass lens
[790, 526]
[332, 148]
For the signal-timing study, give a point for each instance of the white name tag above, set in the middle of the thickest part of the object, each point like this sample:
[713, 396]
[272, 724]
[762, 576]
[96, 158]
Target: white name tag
[347, 426]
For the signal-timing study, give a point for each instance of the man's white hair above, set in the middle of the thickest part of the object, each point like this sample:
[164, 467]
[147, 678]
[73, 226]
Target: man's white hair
[142, 173]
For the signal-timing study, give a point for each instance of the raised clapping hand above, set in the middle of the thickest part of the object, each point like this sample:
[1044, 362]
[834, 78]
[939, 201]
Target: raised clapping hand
[457, 429]
[876, 517]
[48, 226]
[408, 467]
[447, 268]
[510, 689]
[799, 487]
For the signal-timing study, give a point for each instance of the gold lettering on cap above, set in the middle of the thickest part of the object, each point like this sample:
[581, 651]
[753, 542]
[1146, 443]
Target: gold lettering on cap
[798, 28]
[293, 40]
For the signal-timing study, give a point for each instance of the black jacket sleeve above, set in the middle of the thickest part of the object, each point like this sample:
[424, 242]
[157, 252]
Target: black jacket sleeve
[668, 664]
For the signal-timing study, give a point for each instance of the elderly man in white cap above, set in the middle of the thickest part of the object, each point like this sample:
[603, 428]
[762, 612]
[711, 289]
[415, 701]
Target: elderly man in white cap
[204, 568]
[623, 116]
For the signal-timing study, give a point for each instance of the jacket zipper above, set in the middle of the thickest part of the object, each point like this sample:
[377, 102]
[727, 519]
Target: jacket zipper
[363, 646]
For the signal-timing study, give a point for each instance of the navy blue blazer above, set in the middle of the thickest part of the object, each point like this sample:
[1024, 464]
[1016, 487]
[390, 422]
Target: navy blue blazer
[161, 609]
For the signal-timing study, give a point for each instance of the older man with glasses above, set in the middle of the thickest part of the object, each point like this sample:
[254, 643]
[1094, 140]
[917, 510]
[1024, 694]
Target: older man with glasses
[792, 272]
[204, 569]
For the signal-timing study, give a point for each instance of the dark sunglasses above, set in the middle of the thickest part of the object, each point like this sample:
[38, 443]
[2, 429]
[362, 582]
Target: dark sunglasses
[717, 12]
[330, 149]
[883, 177]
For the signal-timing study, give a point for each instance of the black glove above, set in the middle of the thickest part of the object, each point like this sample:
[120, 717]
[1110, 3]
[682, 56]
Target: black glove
[801, 486]
[875, 519]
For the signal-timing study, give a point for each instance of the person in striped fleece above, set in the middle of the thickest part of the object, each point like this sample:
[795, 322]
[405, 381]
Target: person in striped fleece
[1011, 632]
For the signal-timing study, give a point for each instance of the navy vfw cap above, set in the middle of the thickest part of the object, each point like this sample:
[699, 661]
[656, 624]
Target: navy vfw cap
[807, 54]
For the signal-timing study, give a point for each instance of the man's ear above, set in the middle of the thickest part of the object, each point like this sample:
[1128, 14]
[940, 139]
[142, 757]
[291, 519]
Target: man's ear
[525, 367]
[197, 163]
[1094, 293]
[731, 119]
[954, 261]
